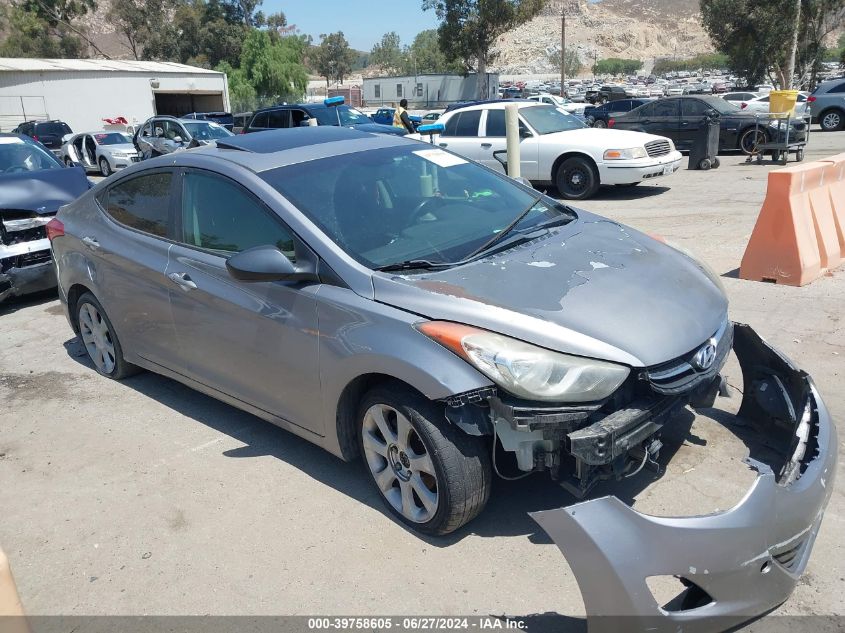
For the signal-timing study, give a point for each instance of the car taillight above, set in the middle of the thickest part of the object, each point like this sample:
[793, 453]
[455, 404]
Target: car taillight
[55, 228]
[811, 98]
[611, 122]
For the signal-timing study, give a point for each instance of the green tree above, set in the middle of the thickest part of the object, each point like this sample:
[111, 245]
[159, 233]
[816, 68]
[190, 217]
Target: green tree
[242, 94]
[424, 55]
[137, 20]
[29, 35]
[572, 64]
[758, 41]
[617, 66]
[274, 68]
[388, 54]
[333, 58]
[469, 28]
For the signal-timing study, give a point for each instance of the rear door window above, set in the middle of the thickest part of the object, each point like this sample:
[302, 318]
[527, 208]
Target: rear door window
[667, 108]
[838, 88]
[259, 121]
[463, 124]
[496, 123]
[278, 119]
[141, 203]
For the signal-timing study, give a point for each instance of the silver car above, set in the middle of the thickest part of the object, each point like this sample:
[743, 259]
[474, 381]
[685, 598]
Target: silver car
[104, 151]
[166, 134]
[390, 300]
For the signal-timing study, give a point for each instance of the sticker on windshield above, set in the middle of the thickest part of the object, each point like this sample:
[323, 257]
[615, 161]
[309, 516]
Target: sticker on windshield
[440, 158]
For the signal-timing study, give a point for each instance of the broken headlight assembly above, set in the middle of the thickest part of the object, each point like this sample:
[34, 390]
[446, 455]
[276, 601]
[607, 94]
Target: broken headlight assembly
[525, 370]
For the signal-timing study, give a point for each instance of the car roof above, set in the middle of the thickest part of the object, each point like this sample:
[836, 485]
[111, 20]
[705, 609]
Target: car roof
[302, 106]
[270, 149]
[493, 102]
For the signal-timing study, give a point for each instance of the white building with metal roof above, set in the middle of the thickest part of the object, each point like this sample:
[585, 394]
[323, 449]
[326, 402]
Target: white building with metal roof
[83, 92]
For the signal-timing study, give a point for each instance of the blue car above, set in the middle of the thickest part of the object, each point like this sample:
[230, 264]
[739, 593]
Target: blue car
[385, 117]
[33, 185]
[330, 112]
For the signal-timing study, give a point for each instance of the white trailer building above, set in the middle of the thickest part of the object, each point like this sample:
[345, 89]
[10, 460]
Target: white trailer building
[426, 91]
[83, 92]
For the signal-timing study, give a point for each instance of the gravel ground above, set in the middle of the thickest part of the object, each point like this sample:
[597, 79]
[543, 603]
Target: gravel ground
[145, 497]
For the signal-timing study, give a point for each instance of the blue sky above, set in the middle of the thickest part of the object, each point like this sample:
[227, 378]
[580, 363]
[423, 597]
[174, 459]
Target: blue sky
[362, 22]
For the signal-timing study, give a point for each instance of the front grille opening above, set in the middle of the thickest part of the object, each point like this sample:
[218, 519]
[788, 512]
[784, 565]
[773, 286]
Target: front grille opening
[789, 555]
[658, 148]
[677, 593]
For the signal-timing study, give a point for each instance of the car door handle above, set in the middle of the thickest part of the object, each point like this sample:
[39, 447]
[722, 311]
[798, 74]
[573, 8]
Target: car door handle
[183, 280]
[91, 242]
[487, 145]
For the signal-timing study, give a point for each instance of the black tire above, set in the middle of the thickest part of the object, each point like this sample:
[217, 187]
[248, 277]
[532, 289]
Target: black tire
[716, 163]
[832, 120]
[121, 369]
[705, 164]
[749, 140]
[105, 168]
[799, 154]
[68, 161]
[577, 178]
[600, 123]
[461, 462]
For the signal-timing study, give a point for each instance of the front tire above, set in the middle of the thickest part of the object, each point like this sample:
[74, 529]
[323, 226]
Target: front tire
[432, 476]
[105, 168]
[99, 339]
[576, 179]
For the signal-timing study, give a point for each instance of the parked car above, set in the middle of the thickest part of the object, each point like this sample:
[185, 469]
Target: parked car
[226, 119]
[761, 104]
[33, 185]
[827, 105]
[446, 335]
[50, 134]
[432, 116]
[327, 113]
[565, 104]
[680, 118]
[104, 152]
[598, 116]
[557, 148]
[162, 135]
[738, 98]
[240, 121]
[385, 117]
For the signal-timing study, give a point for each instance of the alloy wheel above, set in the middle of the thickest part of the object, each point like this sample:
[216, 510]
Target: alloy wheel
[97, 338]
[832, 121]
[400, 463]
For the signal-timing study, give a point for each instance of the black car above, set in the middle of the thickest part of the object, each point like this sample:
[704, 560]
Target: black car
[326, 113]
[48, 133]
[226, 119]
[598, 116]
[605, 94]
[680, 119]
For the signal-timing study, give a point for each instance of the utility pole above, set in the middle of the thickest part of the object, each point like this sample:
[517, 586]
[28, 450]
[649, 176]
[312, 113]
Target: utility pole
[562, 51]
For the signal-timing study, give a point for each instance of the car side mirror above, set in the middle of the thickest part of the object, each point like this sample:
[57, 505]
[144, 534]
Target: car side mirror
[266, 263]
[177, 139]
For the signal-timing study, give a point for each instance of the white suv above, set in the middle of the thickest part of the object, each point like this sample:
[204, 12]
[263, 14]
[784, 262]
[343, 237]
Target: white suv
[559, 149]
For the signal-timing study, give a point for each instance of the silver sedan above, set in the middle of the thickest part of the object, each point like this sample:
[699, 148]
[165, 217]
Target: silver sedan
[104, 151]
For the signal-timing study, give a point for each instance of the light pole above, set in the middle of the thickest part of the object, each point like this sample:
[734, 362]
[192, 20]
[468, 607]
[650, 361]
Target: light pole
[562, 51]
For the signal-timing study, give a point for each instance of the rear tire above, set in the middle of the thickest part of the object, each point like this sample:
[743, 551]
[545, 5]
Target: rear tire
[577, 179]
[599, 123]
[100, 341]
[432, 476]
[832, 120]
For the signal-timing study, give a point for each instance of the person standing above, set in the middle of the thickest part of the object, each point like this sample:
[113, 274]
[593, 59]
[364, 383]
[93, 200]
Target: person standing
[401, 118]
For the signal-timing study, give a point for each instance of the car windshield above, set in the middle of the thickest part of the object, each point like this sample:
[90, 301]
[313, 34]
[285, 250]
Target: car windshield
[410, 203]
[342, 113]
[52, 129]
[206, 130]
[721, 106]
[549, 119]
[22, 155]
[111, 138]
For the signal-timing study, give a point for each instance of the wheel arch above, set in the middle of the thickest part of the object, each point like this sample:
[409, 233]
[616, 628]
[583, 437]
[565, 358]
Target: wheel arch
[73, 294]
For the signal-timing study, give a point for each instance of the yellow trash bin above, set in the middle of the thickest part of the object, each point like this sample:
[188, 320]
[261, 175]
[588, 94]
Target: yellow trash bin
[783, 102]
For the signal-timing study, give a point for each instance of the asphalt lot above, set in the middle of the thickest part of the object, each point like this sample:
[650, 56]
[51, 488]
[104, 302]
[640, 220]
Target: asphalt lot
[145, 497]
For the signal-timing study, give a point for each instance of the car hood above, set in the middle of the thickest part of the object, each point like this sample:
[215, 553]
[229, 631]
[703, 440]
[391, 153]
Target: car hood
[379, 128]
[601, 137]
[592, 288]
[42, 191]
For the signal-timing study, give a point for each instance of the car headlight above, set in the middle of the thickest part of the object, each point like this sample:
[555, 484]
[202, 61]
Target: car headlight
[525, 370]
[625, 154]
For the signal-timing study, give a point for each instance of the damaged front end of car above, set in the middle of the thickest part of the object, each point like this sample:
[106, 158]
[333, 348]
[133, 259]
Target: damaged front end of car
[25, 262]
[734, 565]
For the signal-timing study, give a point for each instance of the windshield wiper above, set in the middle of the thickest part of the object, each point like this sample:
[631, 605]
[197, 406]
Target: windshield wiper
[510, 227]
[413, 264]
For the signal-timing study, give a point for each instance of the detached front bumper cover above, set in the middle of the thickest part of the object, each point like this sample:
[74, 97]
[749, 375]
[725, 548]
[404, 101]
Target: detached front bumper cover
[737, 564]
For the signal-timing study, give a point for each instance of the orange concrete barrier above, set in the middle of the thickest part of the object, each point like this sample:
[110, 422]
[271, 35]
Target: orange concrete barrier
[798, 234]
[12, 618]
